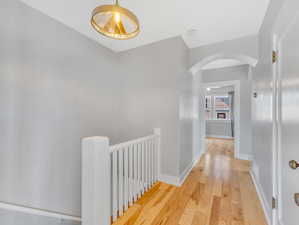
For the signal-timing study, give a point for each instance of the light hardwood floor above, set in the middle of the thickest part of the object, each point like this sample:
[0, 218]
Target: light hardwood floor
[218, 191]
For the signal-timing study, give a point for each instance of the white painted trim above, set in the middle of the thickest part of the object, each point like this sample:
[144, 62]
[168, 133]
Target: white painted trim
[168, 179]
[242, 58]
[275, 138]
[178, 181]
[219, 136]
[157, 131]
[218, 121]
[245, 157]
[187, 171]
[255, 170]
[261, 195]
[38, 212]
[284, 21]
[96, 181]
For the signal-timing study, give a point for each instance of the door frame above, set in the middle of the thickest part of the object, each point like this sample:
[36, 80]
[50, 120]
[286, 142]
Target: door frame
[276, 168]
[237, 100]
[286, 17]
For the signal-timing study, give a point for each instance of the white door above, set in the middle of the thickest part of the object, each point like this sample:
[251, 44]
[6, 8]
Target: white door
[288, 112]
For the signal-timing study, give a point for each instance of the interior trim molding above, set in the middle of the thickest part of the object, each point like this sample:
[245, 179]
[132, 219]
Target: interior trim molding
[219, 136]
[244, 157]
[178, 181]
[187, 171]
[262, 197]
[168, 179]
[38, 212]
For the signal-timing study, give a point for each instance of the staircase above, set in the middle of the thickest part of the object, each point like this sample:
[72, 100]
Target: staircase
[115, 177]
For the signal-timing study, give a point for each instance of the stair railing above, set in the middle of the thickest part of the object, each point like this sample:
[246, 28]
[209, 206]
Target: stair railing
[114, 177]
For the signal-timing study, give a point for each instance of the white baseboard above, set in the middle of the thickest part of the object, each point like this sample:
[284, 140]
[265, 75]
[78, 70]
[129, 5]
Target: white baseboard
[187, 170]
[219, 136]
[244, 157]
[173, 180]
[37, 212]
[261, 195]
[178, 181]
[255, 170]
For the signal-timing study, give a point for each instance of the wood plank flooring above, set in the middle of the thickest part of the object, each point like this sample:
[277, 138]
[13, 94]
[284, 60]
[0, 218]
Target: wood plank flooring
[218, 191]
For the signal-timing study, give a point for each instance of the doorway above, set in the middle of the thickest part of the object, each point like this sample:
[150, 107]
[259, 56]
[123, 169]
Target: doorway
[222, 112]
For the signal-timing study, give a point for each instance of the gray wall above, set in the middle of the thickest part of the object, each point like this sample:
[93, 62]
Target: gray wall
[237, 73]
[152, 76]
[186, 116]
[56, 86]
[262, 105]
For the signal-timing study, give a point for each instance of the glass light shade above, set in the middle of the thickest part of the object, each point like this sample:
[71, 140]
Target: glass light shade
[115, 22]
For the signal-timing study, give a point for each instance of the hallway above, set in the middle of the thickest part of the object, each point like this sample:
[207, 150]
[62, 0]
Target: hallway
[218, 191]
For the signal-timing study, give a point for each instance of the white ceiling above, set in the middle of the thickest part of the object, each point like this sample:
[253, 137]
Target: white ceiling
[200, 22]
[222, 63]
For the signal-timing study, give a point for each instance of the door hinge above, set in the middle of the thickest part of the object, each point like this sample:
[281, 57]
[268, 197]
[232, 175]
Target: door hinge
[274, 203]
[274, 56]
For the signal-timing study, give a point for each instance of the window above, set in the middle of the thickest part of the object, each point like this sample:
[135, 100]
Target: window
[217, 108]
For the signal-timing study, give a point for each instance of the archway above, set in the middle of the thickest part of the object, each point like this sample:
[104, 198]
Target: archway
[199, 126]
[242, 58]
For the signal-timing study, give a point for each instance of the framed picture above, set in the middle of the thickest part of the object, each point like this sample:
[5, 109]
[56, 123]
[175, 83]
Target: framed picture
[221, 115]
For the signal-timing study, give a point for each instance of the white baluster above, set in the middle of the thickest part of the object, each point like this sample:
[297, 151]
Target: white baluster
[146, 165]
[152, 162]
[114, 186]
[138, 169]
[142, 167]
[149, 165]
[135, 173]
[156, 159]
[153, 155]
[131, 175]
[126, 183]
[120, 183]
[157, 131]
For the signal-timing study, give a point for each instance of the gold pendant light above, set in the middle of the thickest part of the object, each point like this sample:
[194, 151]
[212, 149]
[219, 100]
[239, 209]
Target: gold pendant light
[115, 22]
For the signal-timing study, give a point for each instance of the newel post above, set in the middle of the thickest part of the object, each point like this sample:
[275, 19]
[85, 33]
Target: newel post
[96, 183]
[157, 131]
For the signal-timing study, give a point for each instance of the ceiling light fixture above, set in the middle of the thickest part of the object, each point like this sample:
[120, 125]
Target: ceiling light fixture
[115, 22]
